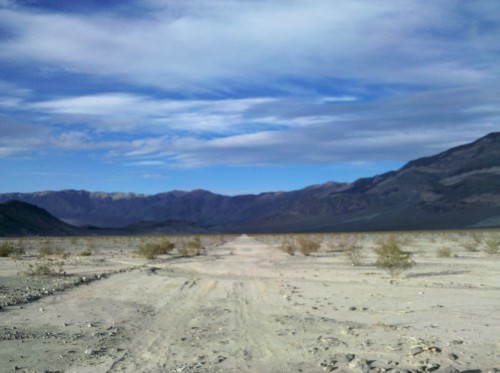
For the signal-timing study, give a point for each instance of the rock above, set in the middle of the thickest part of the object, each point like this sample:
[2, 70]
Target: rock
[89, 351]
[381, 365]
[452, 356]
[449, 369]
[432, 367]
[352, 308]
[349, 357]
[415, 350]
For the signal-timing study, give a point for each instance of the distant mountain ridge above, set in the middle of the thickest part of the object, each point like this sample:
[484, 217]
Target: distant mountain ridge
[458, 188]
[22, 219]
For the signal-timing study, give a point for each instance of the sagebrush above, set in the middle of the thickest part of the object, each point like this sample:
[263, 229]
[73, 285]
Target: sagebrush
[193, 247]
[307, 246]
[9, 249]
[391, 258]
[353, 252]
[152, 250]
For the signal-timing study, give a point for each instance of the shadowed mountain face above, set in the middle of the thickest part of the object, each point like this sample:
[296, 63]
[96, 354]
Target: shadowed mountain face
[21, 219]
[458, 188]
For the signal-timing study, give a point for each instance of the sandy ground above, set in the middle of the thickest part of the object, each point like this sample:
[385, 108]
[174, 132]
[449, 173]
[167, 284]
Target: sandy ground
[246, 306]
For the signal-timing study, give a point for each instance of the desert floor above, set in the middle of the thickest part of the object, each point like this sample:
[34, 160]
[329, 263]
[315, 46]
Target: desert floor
[246, 306]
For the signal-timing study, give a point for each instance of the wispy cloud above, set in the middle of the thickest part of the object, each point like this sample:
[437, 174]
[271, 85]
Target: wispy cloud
[261, 130]
[258, 43]
[177, 84]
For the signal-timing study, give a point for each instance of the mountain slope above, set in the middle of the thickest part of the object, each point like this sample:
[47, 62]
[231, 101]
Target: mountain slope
[20, 219]
[457, 188]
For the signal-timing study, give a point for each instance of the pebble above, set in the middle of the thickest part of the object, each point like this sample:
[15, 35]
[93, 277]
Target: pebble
[453, 356]
[415, 350]
[432, 367]
[449, 370]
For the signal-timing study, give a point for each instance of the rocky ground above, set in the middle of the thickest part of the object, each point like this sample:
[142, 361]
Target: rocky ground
[246, 306]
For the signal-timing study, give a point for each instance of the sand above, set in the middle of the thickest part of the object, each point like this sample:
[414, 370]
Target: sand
[245, 306]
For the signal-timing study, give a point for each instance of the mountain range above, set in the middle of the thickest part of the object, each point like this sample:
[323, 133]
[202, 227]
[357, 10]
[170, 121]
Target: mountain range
[24, 219]
[458, 188]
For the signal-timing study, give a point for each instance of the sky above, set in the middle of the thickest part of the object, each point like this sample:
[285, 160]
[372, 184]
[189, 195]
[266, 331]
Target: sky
[238, 96]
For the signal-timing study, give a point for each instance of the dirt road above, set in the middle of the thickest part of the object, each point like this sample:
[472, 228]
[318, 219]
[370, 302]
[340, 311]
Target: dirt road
[247, 307]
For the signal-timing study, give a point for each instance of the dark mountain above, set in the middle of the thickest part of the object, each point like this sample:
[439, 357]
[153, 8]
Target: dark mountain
[164, 227]
[458, 188]
[21, 219]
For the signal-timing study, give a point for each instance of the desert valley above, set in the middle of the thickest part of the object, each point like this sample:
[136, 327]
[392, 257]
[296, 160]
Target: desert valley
[226, 186]
[165, 288]
[244, 304]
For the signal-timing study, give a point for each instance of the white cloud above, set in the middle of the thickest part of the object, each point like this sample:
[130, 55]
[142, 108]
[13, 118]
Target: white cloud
[204, 46]
[355, 48]
[118, 112]
[147, 163]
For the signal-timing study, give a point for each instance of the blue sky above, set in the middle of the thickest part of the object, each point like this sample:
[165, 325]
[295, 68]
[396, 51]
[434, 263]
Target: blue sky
[238, 96]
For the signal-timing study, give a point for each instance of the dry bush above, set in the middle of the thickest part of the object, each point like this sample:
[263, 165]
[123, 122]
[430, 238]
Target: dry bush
[193, 247]
[9, 249]
[443, 252]
[471, 246]
[288, 247]
[45, 268]
[492, 246]
[353, 252]
[47, 250]
[391, 258]
[84, 252]
[307, 246]
[152, 250]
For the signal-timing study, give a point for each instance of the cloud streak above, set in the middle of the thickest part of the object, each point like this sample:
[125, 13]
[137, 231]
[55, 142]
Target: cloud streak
[155, 85]
[255, 43]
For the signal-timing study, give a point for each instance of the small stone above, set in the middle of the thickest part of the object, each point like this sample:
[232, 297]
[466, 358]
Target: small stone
[449, 370]
[352, 308]
[452, 356]
[415, 350]
[349, 357]
[432, 367]
[380, 365]
[89, 351]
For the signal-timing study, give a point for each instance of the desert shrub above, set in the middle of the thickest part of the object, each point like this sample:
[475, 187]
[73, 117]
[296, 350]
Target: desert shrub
[45, 268]
[48, 250]
[471, 246]
[45, 250]
[152, 250]
[84, 252]
[443, 252]
[492, 246]
[476, 238]
[353, 252]
[288, 247]
[307, 246]
[391, 258]
[193, 247]
[9, 249]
